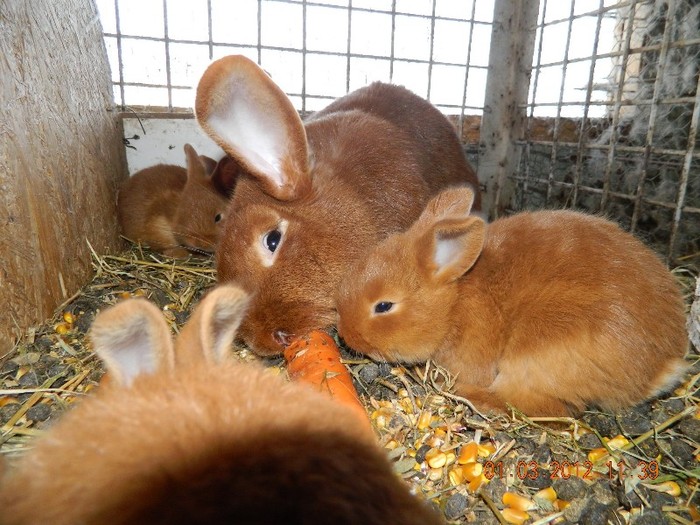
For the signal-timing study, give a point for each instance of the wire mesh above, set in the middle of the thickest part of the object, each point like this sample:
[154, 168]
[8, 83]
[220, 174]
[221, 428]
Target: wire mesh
[613, 102]
[315, 50]
[632, 154]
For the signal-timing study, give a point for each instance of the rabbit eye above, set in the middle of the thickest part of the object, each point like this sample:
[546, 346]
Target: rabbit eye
[218, 217]
[383, 307]
[272, 239]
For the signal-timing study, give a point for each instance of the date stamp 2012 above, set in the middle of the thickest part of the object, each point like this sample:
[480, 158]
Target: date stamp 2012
[646, 470]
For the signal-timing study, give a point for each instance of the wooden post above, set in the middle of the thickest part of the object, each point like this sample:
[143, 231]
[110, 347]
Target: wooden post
[61, 157]
[504, 121]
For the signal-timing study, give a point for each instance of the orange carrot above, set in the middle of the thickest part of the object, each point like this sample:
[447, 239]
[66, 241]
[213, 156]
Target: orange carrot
[315, 359]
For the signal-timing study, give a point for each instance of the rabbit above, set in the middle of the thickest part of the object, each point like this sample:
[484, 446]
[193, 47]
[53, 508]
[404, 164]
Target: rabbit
[318, 193]
[178, 211]
[185, 434]
[548, 311]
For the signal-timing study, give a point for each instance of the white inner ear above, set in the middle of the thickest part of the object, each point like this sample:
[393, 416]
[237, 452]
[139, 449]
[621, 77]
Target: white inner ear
[447, 251]
[132, 352]
[255, 133]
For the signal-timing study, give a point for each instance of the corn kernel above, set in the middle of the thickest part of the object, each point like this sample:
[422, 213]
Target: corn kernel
[617, 442]
[435, 458]
[62, 328]
[516, 501]
[424, 419]
[435, 474]
[477, 482]
[485, 449]
[669, 487]
[548, 494]
[402, 392]
[450, 458]
[597, 454]
[68, 317]
[468, 453]
[456, 476]
[440, 432]
[561, 504]
[391, 445]
[472, 470]
[515, 516]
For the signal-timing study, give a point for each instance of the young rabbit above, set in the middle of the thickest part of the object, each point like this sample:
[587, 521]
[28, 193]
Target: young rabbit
[549, 311]
[184, 435]
[319, 192]
[174, 210]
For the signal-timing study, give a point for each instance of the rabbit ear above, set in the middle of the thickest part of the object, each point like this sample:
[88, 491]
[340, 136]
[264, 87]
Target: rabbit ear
[132, 338]
[450, 240]
[210, 331]
[197, 168]
[209, 164]
[244, 111]
[225, 175]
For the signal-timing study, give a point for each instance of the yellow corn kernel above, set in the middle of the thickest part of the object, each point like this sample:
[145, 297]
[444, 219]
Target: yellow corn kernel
[440, 432]
[411, 452]
[516, 501]
[468, 453]
[380, 421]
[435, 474]
[669, 487]
[456, 476]
[435, 458]
[68, 317]
[515, 516]
[472, 470]
[597, 454]
[486, 449]
[548, 494]
[424, 419]
[406, 405]
[62, 328]
[450, 458]
[477, 482]
[617, 442]
[391, 445]
[402, 392]
[561, 504]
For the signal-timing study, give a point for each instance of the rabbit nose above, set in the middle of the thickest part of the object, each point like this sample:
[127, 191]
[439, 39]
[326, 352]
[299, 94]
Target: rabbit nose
[282, 338]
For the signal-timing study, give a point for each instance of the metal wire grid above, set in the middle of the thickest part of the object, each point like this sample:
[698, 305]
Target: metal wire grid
[260, 50]
[640, 162]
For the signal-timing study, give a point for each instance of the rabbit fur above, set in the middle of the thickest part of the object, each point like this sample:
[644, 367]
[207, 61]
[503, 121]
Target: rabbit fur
[183, 434]
[174, 210]
[549, 311]
[318, 193]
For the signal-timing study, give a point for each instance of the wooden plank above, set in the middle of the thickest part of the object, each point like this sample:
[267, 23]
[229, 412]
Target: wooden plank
[61, 157]
[508, 80]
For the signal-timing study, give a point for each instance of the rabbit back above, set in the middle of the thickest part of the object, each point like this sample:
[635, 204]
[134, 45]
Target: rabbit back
[582, 313]
[147, 205]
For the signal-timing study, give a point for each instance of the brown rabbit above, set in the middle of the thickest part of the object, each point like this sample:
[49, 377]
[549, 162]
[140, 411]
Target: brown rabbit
[174, 210]
[549, 311]
[185, 435]
[319, 193]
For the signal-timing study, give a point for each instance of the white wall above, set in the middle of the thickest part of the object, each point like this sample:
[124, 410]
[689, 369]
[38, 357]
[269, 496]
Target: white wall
[163, 141]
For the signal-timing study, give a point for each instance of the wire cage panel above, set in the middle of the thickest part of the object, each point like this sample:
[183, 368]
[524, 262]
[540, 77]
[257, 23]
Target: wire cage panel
[609, 94]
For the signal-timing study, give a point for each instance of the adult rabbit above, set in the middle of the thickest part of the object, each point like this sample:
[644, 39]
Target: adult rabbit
[320, 192]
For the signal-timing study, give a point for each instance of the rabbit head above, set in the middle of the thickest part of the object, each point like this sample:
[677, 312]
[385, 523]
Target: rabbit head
[316, 195]
[203, 203]
[395, 304]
